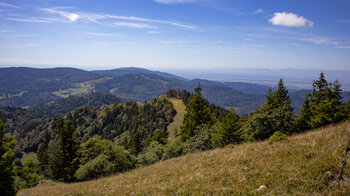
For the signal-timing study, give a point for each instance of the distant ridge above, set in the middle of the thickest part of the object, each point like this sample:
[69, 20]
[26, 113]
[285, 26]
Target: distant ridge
[136, 70]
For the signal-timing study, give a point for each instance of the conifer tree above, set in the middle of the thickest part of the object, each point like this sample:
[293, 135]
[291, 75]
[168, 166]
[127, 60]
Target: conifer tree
[228, 130]
[275, 115]
[197, 113]
[62, 156]
[6, 167]
[325, 103]
[304, 119]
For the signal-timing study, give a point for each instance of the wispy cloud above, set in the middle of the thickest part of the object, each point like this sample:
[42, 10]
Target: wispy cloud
[7, 5]
[258, 11]
[71, 16]
[98, 34]
[134, 25]
[168, 2]
[290, 20]
[133, 18]
[36, 19]
[153, 32]
[319, 40]
[96, 18]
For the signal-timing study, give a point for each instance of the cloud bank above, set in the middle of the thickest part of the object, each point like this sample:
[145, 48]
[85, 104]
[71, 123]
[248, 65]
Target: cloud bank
[290, 20]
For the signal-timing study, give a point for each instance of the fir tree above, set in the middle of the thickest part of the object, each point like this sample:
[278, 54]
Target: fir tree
[62, 162]
[228, 130]
[197, 113]
[325, 103]
[304, 119]
[275, 115]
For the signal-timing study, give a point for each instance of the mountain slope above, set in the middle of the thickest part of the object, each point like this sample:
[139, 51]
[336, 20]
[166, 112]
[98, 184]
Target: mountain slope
[135, 70]
[21, 86]
[300, 165]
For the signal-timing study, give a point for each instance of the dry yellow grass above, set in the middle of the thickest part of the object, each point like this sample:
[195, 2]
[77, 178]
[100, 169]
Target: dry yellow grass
[238, 170]
[174, 127]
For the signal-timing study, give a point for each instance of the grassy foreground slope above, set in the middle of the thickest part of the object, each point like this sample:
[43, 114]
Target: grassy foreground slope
[237, 170]
[180, 108]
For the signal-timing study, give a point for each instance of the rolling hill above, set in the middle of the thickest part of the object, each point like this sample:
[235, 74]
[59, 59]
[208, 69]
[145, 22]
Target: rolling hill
[23, 87]
[303, 164]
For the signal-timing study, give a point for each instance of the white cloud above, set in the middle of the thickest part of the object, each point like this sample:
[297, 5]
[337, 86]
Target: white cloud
[134, 25]
[290, 20]
[175, 1]
[258, 11]
[71, 16]
[2, 4]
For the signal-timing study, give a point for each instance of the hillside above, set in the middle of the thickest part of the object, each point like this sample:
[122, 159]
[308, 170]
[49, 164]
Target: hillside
[301, 165]
[19, 119]
[23, 87]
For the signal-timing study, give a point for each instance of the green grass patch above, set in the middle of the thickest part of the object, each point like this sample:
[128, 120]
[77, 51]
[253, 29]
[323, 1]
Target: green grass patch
[174, 127]
[71, 91]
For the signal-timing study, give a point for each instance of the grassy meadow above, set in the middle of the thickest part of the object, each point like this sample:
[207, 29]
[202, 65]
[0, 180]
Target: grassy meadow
[180, 108]
[303, 164]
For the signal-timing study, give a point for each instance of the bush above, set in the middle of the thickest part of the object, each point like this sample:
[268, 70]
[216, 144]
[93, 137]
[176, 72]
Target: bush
[277, 136]
[201, 140]
[151, 154]
[99, 166]
[112, 159]
[174, 148]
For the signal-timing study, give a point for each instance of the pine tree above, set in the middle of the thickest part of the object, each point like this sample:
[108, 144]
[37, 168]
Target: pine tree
[228, 131]
[325, 103]
[6, 167]
[275, 115]
[304, 119]
[62, 164]
[197, 113]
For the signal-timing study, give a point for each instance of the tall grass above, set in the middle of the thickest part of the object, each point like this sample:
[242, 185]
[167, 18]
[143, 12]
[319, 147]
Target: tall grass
[302, 164]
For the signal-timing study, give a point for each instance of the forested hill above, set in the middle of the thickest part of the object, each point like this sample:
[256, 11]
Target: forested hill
[136, 70]
[19, 119]
[130, 124]
[28, 87]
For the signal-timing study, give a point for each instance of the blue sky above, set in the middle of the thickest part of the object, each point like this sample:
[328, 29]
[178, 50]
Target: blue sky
[176, 34]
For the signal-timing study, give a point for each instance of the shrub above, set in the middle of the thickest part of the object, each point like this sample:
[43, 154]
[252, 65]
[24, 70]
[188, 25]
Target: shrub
[151, 154]
[201, 140]
[174, 148]
[99, 166]
[277, 136]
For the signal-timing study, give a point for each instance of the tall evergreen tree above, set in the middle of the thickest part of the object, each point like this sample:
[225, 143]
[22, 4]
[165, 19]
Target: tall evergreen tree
[62, 156]
[325, 103]
[304, 119]
[228, 130]
[275, 115]
[6, 167]
[197, 113]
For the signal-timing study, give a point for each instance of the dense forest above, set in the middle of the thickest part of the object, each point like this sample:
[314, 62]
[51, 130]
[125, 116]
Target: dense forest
[92, 141]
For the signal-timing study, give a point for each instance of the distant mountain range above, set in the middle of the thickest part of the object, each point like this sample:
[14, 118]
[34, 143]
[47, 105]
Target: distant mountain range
[23, 87]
